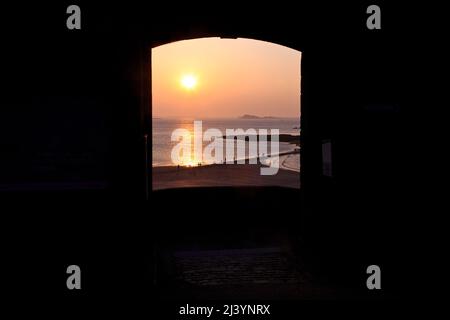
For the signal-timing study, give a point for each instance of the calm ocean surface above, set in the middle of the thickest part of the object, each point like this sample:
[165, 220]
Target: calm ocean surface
[163, 128]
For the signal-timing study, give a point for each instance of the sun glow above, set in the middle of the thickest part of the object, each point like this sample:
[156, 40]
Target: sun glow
[189, 81]
[189, 161]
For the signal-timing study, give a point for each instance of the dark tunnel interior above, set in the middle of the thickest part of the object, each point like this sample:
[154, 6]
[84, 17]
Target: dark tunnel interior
[74, 181]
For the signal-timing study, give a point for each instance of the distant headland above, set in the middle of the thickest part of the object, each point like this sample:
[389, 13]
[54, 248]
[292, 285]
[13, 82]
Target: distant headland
[251, 116]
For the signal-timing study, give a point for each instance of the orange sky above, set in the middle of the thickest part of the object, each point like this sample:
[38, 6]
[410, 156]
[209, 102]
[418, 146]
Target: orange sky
[234, 77]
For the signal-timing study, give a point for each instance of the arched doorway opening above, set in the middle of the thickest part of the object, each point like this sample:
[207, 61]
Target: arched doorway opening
[242, 96]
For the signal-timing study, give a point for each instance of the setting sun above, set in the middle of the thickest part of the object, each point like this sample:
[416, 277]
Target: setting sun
[189, 81]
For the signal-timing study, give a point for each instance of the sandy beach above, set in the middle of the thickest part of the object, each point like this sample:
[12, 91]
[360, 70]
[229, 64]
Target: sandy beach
[219, 175]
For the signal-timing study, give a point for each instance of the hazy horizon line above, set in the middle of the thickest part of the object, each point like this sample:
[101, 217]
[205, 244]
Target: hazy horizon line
[229, 117]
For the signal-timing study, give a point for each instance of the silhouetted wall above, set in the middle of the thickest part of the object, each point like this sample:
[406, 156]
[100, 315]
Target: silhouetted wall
[75, 109]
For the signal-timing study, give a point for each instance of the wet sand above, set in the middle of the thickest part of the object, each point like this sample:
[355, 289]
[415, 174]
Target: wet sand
[219, 175]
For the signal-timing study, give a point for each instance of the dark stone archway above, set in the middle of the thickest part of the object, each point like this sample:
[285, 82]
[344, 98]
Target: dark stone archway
[76, 108]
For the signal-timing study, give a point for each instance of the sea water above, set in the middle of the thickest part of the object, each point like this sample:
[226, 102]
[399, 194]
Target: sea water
[162, 129]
